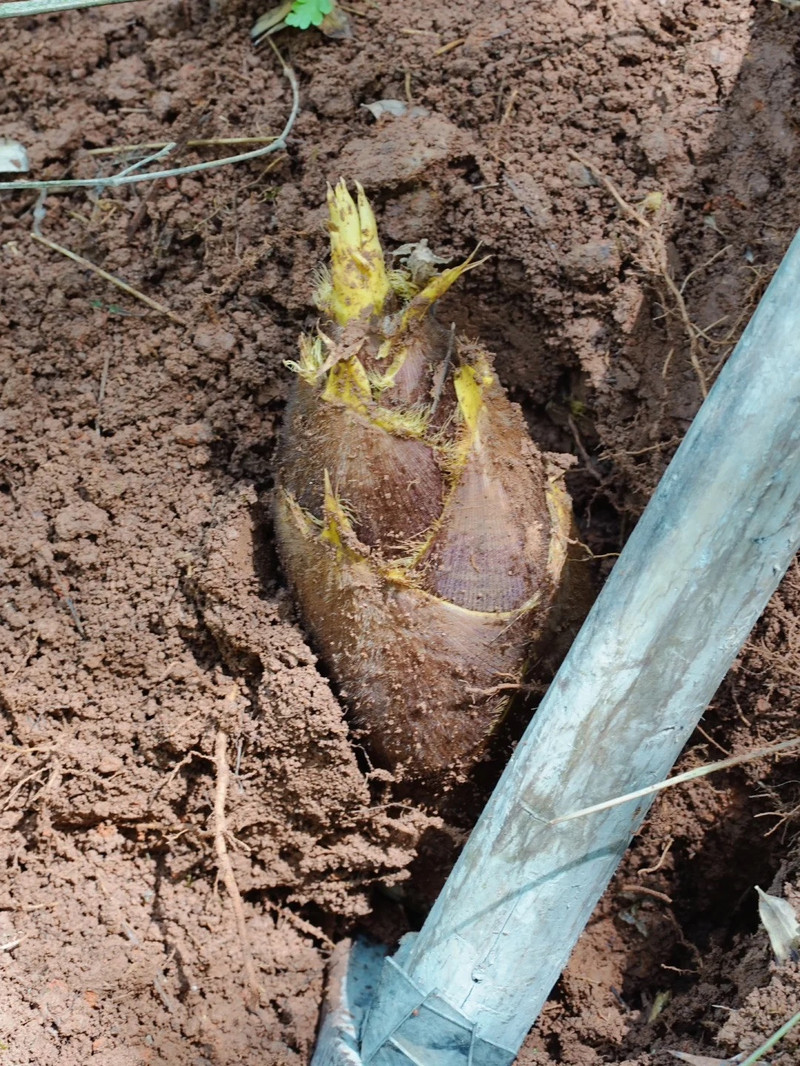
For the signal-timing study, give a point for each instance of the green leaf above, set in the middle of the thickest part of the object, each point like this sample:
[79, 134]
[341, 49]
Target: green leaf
[307, 13]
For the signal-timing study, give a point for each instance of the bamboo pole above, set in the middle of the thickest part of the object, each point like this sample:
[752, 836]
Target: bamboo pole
[709, 550]
[27, 8]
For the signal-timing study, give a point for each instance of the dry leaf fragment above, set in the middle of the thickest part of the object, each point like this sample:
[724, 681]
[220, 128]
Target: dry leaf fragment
[379, 108]
[394, 108]
[13, 157]
[780, 921]
[419, 260]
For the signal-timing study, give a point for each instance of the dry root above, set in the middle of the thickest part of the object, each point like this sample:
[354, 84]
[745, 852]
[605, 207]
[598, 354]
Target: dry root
[254, 991]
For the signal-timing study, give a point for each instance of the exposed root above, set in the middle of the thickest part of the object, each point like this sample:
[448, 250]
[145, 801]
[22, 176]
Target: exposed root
[133, 174]
[643, 890]
[662, 859]
[176, 770]
[254, 992]
[660, 259]
[590, 556]
[50, 765]
[786, 810]
[120, 284]
[203, 142]
[302, 925]
[23, 781]
[653, 254]
[127, 177]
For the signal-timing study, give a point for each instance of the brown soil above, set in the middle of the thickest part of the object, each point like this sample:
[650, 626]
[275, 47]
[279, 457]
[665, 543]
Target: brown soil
[144, 623]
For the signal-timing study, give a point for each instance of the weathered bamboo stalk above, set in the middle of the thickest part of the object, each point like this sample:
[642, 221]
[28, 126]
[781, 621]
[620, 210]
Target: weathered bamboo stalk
[27, 8]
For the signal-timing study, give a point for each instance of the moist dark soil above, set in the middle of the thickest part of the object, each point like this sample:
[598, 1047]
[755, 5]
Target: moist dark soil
[629, 167]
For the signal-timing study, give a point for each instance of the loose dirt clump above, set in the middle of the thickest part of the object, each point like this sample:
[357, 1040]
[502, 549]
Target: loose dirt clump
[628, 168]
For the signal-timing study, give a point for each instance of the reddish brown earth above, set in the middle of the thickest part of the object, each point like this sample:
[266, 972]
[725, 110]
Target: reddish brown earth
[144, 621]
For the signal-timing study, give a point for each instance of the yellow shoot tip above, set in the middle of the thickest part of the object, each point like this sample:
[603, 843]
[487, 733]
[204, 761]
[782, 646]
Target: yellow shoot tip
[359, 281]
[437, 287]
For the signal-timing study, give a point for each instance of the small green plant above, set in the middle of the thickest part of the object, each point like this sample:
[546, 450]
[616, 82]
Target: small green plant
[305, 13]
[302, 14]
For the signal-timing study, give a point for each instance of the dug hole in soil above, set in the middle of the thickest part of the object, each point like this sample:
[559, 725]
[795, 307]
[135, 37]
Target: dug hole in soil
[145, 626]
